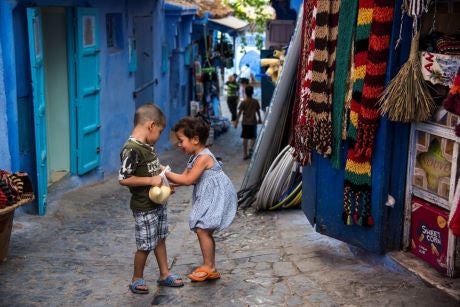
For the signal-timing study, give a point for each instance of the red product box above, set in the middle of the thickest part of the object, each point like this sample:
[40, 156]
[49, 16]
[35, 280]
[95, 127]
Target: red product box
[429, 233]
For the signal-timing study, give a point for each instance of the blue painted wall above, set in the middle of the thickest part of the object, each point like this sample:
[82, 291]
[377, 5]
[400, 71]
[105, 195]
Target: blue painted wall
[117, 83]
[295, 4]
[178, 29]
[5, 162]
[7, 42]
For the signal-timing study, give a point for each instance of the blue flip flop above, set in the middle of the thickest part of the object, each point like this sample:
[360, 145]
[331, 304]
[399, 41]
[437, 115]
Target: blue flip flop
[170, 281]
[137, 283]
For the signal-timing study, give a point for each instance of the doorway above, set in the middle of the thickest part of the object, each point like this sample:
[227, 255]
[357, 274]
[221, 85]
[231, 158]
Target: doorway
[64, 65]
[57, 92]
[144, 81]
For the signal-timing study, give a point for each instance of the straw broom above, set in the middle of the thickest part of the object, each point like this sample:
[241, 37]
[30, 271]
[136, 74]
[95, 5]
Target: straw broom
[406, 97]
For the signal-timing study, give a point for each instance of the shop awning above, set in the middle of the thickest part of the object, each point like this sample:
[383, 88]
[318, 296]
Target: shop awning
[229, 24]
[180, 7]
[215, 8]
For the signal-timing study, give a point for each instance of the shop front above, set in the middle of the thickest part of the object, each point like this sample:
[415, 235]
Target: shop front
[370, 178]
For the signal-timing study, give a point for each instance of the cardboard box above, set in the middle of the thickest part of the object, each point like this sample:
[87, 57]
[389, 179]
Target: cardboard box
[429, 233]
[433, 167]
[444, 118]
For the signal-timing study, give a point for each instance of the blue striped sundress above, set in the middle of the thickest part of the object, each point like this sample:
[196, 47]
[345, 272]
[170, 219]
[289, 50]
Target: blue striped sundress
[214, 198]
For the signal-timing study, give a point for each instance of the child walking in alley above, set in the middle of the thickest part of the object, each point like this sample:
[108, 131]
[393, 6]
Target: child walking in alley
[214, 198]
[232, 96]
[140, 169]
[249, 108]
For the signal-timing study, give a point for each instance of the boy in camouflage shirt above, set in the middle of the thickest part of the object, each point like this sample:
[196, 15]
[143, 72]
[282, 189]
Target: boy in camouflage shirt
[140, 169]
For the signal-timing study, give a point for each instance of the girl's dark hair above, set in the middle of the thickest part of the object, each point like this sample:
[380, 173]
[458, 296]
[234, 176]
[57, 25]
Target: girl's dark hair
[193, 126]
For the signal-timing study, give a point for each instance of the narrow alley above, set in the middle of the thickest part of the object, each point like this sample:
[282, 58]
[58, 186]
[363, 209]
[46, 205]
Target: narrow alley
[81, 254]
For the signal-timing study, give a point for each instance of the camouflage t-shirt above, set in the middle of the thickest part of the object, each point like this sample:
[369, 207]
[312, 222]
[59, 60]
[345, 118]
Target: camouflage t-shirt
[139, 159]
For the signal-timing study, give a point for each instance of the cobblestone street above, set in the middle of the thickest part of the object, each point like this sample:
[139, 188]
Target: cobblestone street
[81, 254]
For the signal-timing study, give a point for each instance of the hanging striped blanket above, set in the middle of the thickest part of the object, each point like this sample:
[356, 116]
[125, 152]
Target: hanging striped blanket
[357, 191]
[300, 128]
[313, 130]
[347, 21]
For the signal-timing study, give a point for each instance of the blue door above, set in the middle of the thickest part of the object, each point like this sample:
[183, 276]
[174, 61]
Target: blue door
[34, 25]
[87, 89]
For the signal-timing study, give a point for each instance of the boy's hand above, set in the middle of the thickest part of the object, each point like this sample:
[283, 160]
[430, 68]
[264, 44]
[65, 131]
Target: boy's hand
[173, 187]
[156, 181]
[235, 124]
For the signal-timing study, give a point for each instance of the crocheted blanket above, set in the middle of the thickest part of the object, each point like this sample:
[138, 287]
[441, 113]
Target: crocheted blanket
[347, 17]
[299, 131]
[313, 128]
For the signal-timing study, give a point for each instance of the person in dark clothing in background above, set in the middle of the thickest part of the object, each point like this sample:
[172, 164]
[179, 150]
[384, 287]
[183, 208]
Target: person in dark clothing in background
[232, 95]
[249, 108]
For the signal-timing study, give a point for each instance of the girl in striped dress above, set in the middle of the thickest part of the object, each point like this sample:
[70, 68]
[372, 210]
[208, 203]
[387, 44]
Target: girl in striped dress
[214, 198]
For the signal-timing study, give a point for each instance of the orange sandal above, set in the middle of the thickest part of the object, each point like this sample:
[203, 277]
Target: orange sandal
[202, 274]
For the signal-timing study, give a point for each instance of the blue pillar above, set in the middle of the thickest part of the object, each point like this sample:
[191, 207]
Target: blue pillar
[5, 159]
[9, 75]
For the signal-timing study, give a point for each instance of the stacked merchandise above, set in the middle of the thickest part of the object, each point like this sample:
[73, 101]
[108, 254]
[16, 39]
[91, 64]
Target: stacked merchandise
[282, 184]
[14, 188]
[432, 187]
[207, 85]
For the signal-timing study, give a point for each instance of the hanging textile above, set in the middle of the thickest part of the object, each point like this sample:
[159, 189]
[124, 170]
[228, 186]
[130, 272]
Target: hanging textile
[347, 20]
[313, 130]
[353, 172]
[348, 94]
[299, 137]
[320, 104]
[357, 191]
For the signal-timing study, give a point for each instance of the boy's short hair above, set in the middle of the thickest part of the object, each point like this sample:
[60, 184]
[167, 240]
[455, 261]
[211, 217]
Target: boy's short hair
[193, 126]
[249, 91]
[149, 112]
